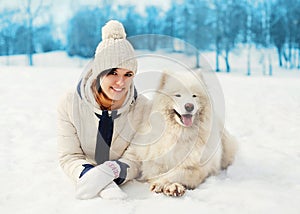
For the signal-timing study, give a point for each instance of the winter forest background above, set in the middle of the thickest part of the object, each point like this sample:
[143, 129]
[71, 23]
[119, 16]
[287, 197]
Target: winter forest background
[220, 26]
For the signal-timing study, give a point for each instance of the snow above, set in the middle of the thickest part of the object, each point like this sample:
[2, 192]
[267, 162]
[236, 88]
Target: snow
[261, 111]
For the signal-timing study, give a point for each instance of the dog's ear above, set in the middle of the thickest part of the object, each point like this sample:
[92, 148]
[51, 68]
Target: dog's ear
[163, 79]
[199, 73]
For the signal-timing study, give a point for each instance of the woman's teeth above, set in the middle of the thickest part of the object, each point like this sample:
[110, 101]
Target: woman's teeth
[117, 89]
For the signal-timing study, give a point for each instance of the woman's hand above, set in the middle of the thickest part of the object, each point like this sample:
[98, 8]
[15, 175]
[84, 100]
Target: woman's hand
[96, 179]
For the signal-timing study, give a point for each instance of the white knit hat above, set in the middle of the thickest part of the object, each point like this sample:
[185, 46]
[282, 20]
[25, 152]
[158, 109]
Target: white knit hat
[114, 51]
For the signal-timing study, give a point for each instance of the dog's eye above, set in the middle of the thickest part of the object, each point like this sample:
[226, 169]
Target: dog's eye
[177, 95]
[194, 95]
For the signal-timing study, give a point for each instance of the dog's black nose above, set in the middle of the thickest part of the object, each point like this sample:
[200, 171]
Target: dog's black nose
[189, 107]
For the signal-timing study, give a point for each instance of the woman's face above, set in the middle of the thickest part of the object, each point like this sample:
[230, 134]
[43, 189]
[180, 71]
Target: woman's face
[116, 83]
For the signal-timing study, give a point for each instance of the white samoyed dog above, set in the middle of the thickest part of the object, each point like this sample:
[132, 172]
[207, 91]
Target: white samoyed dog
[184, 141]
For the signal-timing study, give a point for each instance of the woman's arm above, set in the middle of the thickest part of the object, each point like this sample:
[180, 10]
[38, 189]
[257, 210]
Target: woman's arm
[70, 154]
[90, 180]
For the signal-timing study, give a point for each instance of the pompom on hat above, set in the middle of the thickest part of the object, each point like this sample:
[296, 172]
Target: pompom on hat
[114, 51]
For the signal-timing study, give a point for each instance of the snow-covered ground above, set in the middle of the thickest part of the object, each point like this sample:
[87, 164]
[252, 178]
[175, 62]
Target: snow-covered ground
[262, 112]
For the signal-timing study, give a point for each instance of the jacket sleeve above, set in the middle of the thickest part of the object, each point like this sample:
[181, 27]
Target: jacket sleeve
[132, 170]
[70, 154]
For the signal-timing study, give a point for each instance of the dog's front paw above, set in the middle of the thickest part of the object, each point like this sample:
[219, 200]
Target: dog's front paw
[157, 187]
[174, 189]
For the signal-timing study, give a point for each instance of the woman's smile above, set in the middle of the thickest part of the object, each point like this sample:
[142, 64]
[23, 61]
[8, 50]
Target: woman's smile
[117, 89]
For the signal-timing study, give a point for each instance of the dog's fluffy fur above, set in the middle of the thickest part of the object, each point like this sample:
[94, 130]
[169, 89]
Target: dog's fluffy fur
[184, 142]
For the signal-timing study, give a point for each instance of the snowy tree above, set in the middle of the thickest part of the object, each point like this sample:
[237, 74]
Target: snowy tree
[279, 28]
[84, 31]
[44, 41]
[132, 21]
[8, 32]
[266, 26]
[33, 11]
[83, 35]
[134, 24]
[249, 34]
[170, 17]
[229, 19]
[198, 31]
[153, 26]
[292, 22]
[188, 21]
[169, 28]
[250, 12]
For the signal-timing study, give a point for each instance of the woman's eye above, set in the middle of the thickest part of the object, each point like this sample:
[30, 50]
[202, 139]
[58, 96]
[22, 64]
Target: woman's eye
[129, 74]
[112, 73]
[177, 95]
[194, 95]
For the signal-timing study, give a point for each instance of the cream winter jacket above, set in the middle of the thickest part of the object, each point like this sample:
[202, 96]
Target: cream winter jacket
[78, 127]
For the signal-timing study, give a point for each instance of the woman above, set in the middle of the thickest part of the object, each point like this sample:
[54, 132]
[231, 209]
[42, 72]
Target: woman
[97, 122]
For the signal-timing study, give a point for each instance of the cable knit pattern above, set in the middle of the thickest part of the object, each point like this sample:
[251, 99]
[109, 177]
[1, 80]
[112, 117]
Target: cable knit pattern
[114, 51]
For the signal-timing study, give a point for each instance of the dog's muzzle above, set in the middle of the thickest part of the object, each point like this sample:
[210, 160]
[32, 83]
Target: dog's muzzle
[185, 119]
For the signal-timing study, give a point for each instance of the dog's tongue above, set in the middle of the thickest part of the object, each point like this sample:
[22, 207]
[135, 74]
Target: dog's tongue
[187, 119]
